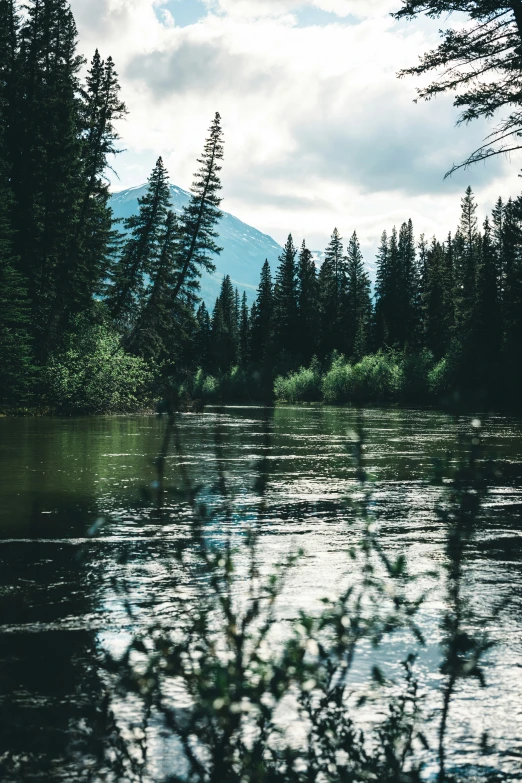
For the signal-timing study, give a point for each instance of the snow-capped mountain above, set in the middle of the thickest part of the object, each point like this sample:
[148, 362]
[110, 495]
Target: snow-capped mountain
[244, 248]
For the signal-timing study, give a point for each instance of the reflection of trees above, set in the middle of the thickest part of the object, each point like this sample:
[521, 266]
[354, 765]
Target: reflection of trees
[54, 721]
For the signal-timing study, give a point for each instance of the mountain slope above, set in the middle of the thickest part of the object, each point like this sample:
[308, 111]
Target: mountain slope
[244, 248]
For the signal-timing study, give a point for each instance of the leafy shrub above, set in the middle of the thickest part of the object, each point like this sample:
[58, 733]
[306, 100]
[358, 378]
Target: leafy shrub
[94, 374]
[378, 377]
[301, 386]
[336, 382]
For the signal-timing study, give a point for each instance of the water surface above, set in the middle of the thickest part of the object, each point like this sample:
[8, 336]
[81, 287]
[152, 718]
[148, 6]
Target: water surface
[74, 521]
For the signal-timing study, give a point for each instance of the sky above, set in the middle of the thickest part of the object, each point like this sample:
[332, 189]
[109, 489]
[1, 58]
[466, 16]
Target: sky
[319, 132]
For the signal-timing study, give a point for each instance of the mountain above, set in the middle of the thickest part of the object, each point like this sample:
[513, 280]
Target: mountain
[244, 248]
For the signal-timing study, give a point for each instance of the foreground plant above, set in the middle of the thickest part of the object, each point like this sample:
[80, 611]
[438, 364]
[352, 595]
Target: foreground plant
[246, 696]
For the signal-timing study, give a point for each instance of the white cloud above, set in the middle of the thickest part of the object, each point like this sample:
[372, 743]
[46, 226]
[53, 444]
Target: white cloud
[319, 132]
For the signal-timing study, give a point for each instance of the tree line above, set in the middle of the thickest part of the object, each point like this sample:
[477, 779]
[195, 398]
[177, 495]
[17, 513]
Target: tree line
[460, 298]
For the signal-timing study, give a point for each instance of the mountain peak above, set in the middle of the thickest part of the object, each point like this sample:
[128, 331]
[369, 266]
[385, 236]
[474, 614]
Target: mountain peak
[244, 247]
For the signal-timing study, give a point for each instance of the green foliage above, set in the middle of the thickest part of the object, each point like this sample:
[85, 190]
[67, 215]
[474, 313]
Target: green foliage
[285, 313]
[305, 385]
[376, 378]
[94, 374]
[478, 62]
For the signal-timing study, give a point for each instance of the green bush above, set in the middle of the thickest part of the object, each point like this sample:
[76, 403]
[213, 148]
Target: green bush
[376, 378]
[301, 386]
[94, 374]
[336, 382]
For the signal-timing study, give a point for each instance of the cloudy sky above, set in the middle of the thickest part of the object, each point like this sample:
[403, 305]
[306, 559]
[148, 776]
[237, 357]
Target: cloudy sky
[319, 131]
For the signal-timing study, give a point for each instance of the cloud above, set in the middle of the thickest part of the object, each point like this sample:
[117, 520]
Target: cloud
[194, 66]
[277, 8]
[318, 129]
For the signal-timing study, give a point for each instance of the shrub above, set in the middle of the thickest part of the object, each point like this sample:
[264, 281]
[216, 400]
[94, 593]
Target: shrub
[94, 374]
[336, 382]
[376, 378]
[301, 386]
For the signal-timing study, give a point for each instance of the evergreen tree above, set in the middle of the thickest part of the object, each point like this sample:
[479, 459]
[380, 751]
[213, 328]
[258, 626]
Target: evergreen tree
[512, 299]
[141, 250]
[224, 332]
[479, 62]
[436, 316]
[308, 304]
[15, 344]
[153, 334]
[330, 337]
[91, 242]
[285, 322]
[358, 301]
[407, 290]
[244, 331]
[510, 242]
[261, 337]
[394, 273]
[467, 249]
[449, 284]
[383, 301]
[487, 322]
[47, 166]
[202, 339]
[199, 218]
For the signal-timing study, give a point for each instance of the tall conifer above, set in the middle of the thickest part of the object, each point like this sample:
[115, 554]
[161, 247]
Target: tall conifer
[358, 301]
[261, 336]
[308, 304]
[285, 323]
[199, 218]
[141, 249]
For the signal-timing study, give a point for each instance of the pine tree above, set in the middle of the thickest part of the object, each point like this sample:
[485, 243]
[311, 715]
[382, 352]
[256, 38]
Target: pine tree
[479, 62]
[467, 249]
[285, 323]
[224, 331]
[15, 343]
[47, 166]
[202, 339]
[487, 322]
[331, 297]
[199, 218]
[512, 299]
[141, 250]
[261, 336]
[153, 333]
[407, 290]
[510, 241]
[308, 305]
[391, 295]
[358, 301]
[101, 107]
[381, 329]
[244, 331]
[437, 318]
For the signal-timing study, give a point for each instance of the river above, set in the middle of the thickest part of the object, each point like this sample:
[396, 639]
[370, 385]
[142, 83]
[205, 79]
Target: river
[74, 523]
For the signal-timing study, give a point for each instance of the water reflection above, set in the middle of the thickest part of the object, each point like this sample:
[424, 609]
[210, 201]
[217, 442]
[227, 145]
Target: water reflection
[58, 585]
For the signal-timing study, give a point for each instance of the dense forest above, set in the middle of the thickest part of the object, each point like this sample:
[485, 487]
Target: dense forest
[96, 316]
